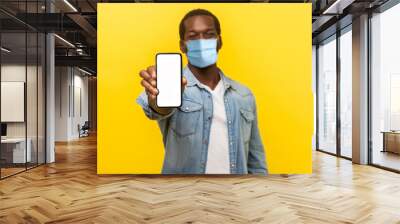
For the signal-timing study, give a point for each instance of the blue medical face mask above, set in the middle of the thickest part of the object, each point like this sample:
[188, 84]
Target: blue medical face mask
[202, 52]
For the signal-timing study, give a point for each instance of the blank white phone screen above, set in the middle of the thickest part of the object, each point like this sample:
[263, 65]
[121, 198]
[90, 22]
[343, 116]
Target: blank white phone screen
[168, 70]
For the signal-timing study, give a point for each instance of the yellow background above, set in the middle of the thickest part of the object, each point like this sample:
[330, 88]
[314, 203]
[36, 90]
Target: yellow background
[266, 47]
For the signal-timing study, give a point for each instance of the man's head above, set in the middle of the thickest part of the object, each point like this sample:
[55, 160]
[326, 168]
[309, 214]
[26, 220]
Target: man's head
[198, 13]
[199, 27]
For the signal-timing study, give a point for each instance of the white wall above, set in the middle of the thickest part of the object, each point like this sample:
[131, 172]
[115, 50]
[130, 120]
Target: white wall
[81, 84]
[17, 72]
[62, 81]
[70, 83]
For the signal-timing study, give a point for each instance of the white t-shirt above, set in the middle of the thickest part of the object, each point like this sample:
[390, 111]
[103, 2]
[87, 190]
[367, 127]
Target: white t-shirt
[218, 147]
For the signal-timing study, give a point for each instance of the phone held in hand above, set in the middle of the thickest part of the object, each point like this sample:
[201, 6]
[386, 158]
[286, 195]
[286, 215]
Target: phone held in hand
[169, 79]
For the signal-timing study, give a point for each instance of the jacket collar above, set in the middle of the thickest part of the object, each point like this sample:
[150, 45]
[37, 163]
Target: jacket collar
[192, 80]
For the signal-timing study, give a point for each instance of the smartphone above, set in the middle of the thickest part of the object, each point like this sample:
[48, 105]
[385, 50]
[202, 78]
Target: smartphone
[169, 79]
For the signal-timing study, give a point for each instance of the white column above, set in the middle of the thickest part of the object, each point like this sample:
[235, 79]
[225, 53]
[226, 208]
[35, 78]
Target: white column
[50, 99]
[360, 89]
[50, 92]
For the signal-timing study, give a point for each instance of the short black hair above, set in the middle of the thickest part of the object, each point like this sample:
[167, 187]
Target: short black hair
[197, 12]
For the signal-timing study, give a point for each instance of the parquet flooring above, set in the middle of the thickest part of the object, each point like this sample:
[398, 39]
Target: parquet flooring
[70, 191]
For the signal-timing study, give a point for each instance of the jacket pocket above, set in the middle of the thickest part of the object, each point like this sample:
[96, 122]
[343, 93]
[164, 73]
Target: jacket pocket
[247, 117]
[185, 121]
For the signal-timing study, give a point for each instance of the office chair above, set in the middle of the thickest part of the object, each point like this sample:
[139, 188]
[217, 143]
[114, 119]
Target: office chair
[84, 130]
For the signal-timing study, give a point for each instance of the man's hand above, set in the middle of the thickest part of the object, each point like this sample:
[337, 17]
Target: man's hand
[149, 82]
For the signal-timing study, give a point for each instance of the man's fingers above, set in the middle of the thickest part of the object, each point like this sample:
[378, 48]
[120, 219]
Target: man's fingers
[152, 97]
[152, 71]
[149, 82]
[184, 81]
[145, 75]
[149, 88]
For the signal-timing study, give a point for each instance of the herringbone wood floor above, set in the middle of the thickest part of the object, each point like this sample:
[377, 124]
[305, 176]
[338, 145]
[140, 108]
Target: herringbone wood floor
[69, 191]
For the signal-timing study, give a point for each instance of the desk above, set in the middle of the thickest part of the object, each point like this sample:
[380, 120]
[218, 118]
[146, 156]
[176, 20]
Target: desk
[15, 148]
[391, 141]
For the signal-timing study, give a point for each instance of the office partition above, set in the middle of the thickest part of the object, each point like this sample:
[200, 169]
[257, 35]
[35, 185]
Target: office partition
[22, 77]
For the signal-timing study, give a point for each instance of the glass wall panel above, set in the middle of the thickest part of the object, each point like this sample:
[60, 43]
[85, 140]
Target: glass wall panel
[14, 153]
[346, 94]
[327, 96]
[32, 95]
[385, 88]
[22, 88]
[32, 87]
[41, 79]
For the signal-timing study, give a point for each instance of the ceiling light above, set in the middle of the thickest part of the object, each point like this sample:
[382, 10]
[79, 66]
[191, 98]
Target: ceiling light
[70, 5]
[337, 7]
[84, 71]
[64, 40]
[5, 50]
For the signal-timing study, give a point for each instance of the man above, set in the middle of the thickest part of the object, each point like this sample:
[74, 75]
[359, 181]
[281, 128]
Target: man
[215, 130]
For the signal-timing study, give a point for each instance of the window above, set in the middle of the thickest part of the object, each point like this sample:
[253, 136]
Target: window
[327, 96]
[385, 89]
[395, 102]
[346, 93]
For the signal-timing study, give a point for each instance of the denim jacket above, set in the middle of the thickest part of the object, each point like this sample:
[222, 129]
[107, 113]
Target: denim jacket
[186, 130]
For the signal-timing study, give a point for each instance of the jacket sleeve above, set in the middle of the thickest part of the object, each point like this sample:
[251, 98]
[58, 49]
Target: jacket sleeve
[148, 111]
[256, 163]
